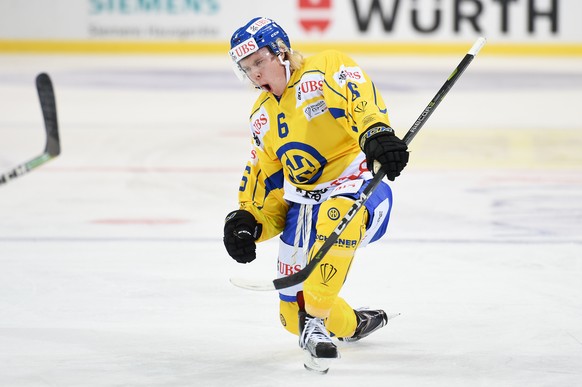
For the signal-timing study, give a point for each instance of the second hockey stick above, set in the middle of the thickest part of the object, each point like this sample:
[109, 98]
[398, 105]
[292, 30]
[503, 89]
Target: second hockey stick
[301, 276]
[52, 149]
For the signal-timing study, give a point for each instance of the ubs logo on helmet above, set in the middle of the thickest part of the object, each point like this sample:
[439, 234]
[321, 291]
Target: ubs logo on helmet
[243, 50]
[257, 25]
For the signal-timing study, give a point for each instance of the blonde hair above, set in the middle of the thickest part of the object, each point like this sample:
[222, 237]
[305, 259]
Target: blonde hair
[295, 58]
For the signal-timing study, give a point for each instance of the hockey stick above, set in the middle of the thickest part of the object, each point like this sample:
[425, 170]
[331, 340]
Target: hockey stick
[300, 276]
[52, 148]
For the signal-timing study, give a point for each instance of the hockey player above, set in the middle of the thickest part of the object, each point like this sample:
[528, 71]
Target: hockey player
[317, 128]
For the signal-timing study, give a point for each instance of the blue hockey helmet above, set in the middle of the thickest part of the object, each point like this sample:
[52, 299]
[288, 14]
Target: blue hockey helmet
[257, 33]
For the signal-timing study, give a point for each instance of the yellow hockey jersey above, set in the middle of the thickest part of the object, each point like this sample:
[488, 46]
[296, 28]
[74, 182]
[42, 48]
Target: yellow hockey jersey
[305, 143]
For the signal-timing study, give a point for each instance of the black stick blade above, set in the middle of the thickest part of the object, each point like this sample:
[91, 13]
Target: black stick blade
[46, 95]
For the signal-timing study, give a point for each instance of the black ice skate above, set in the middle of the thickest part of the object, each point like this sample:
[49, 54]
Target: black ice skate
[369, 321]
[317, 345]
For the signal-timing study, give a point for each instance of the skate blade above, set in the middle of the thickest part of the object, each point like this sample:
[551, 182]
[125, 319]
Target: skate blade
[317, 364]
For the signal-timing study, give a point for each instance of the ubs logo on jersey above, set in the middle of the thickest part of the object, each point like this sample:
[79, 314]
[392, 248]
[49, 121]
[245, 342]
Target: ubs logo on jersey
[303, 164]
[310, 86]
[286, 269]
[259, 126]
[259, 122]
[349, 73]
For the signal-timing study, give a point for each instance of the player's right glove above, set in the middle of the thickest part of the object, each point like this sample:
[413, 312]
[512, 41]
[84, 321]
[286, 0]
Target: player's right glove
[379, 143]
[241, 230]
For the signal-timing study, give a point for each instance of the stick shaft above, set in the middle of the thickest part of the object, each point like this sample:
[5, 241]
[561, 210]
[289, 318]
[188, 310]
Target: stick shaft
[302, 275]
[445, 88]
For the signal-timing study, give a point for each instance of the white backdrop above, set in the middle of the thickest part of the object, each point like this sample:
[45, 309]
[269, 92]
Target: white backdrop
[516, 21]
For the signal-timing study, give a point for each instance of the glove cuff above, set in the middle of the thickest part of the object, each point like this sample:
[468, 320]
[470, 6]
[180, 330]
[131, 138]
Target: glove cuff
[372, 131]
[246, 221]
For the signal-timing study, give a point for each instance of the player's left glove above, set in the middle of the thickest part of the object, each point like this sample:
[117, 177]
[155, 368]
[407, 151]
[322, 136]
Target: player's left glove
[241, 230]
[379, 143]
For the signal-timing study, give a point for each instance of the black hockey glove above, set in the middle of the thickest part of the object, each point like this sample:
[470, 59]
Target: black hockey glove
[241, 230]
[380, 144]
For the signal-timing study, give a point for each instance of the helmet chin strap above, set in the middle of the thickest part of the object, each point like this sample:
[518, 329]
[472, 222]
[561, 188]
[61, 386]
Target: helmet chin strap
[287, 65]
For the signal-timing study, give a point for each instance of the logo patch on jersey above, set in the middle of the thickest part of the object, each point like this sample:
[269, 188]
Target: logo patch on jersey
[361, 107]
[333, 213]
[327, 271]
[254, 159]
[315, 109]
[303, 164]
[349, 74]
[260, 125]
[310, 86]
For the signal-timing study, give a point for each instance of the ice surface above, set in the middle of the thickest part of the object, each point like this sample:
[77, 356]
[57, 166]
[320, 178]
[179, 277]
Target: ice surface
[112, 270]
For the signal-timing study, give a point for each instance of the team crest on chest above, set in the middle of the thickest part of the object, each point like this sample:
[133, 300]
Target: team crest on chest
[303, 164]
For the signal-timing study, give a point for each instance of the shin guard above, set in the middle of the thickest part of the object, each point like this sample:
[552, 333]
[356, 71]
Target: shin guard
[323, 286]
